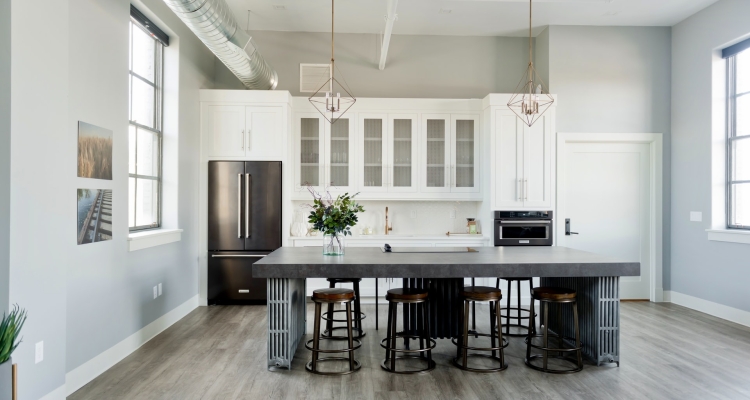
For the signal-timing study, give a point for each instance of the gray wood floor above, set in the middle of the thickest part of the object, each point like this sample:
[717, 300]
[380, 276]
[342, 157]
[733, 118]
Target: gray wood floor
[668, 352]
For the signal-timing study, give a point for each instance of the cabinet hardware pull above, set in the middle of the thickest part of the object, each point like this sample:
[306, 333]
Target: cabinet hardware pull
[248, 138]
[242, 147]
[239, 206]
[248, 183]
[526, 189]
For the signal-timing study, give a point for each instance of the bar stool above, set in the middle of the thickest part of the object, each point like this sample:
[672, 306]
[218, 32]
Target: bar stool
[407, 296]
[559, 296]
[330, 296]
[330, 315]
[470, 295]
[519, 310]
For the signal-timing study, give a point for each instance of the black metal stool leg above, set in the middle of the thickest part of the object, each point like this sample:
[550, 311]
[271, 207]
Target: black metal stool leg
[465, 342]
[393, 337]
[545, 343]
[388, 331]
[577, 335]
[316, 337]
[350, 336]
[358, 311]
[507, 311]
[376, 303]
[530, 335]
[499, 332]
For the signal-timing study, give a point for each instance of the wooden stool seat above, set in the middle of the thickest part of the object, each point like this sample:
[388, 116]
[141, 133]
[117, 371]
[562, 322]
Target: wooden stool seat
[481, 293]
[553, 294]
[333, 295]
[401, 295]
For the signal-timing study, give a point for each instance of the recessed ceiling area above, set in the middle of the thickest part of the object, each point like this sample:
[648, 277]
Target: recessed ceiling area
[458, 17]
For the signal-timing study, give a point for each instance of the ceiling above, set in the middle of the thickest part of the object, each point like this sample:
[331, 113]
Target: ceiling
[458, 17]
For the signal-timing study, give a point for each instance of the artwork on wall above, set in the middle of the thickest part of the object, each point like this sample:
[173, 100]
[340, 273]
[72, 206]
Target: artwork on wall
[94, 151]
[94, 215]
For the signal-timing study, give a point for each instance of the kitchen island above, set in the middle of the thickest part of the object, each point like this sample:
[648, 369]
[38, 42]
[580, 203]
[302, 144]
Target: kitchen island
[594, 277]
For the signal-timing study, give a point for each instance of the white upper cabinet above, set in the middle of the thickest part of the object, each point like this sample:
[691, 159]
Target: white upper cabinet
[250, 132]
[339, 154]
[465, 153]
[309, 151]
[436, 153]
[372, 153]
[387, 153]
[522, 175]
[402, 153]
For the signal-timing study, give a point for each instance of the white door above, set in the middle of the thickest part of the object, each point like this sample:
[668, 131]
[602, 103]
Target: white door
[605, 192]
[264, 139]
[435, 151]
[372, 153]
[340, 156]
[226, 126]
[309, 151]
[465, 153]
[402, 153]
[537, 164]
[508, 161]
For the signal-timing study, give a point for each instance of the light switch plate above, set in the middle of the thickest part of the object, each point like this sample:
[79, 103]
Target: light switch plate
[156, 292]
[413, 214]
[160, 289]
[696, 216]
[452, 214]
[39, 353]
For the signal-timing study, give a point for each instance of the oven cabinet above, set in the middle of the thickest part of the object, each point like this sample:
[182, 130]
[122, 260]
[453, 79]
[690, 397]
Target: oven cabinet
[522, 161]
[523, 233]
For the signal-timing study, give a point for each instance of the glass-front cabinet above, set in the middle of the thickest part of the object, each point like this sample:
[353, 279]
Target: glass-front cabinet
[450, 149]
[387, 153]
[323, 153]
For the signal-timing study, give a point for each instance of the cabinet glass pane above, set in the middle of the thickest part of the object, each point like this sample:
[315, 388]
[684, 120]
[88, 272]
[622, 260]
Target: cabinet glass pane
[340, 153]
[435, 153]
[373, 147]
[402, 142]
[309, 151]
[465, 153]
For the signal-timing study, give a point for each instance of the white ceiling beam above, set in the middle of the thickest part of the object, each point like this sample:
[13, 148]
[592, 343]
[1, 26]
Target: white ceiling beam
[390, 19]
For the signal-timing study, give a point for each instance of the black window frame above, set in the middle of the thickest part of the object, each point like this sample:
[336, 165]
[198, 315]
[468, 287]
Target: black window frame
[138, 21]
[730, 54]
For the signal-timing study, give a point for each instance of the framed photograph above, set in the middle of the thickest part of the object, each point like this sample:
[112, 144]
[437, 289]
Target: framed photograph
[94, 215]
[94, 152]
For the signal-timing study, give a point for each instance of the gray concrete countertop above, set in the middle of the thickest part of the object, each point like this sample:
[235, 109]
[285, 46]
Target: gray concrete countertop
[371, 262]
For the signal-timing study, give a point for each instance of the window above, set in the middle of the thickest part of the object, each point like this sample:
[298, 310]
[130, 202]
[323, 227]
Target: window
[738, 139]
[145, 130]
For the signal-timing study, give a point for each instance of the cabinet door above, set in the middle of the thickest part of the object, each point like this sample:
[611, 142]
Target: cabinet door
[264, 138]
[372, 153]
[465, 153]
[226, 126]
[537, 168]
[508, 160]
[339, 155]
[435, 158]
[402, 153]
[309, 153]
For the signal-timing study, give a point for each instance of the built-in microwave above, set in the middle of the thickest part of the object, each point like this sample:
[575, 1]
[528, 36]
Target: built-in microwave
[523, 228]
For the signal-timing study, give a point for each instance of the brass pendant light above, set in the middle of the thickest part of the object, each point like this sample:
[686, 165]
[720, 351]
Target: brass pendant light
[328, 100]
[531, 98]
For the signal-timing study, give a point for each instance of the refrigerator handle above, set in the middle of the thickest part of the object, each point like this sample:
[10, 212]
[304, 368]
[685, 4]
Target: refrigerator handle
[248, 183]
[239, 206]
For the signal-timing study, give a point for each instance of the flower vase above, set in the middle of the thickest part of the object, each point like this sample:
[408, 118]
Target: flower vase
[333, 245]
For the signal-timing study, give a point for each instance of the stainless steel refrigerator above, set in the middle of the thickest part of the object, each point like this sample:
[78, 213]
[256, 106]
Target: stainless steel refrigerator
[244, 225]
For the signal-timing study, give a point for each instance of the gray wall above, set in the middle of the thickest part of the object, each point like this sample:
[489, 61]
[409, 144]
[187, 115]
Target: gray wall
[541, 56]
[615, 80]
[417, 66]
[713, 271]
[42, 193]
[109, 290]
[4, 153]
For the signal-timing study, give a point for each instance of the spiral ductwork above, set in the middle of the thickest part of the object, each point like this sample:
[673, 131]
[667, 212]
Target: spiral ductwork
[214, 24]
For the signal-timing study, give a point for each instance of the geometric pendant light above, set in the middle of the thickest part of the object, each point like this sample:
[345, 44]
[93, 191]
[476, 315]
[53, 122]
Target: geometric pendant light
[531, 98]
[333, 99]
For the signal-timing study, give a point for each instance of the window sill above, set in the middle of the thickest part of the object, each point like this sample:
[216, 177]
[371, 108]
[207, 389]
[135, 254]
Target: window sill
[156, 237]
[729, 235]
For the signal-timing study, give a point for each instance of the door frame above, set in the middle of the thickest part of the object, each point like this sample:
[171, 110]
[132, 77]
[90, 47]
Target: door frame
[656, 226]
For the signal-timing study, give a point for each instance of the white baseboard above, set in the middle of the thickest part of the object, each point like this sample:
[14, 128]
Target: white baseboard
[732, 314]
[57, 394]
[85, 373]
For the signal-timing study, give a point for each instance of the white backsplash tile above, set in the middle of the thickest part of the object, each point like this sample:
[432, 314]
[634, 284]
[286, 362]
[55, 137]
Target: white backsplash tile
[432, 217]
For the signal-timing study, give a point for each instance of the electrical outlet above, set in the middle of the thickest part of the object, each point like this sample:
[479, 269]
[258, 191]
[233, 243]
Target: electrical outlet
[413, 214]
[39, 354]
[156, 292]
[160, 289]
[696, 216]
[452, 214]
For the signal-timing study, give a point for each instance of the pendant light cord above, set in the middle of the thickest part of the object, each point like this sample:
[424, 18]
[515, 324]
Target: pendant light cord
[530, 59]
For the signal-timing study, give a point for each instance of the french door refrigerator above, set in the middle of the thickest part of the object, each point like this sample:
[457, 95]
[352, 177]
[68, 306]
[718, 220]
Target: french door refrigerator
[244, 225]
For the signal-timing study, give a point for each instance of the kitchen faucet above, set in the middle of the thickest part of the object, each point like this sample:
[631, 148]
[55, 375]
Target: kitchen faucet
[388, 228]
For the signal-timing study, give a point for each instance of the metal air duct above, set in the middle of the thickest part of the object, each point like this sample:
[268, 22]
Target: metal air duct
[212, 21]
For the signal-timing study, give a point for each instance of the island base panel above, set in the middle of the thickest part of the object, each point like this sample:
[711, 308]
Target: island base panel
[287, 319]
[598, 315]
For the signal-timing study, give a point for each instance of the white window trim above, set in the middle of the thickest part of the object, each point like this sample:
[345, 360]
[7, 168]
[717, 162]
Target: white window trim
[729, 235]
[152, 238]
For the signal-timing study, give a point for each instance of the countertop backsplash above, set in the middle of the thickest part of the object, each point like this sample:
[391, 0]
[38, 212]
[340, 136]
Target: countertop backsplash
[432, 218]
